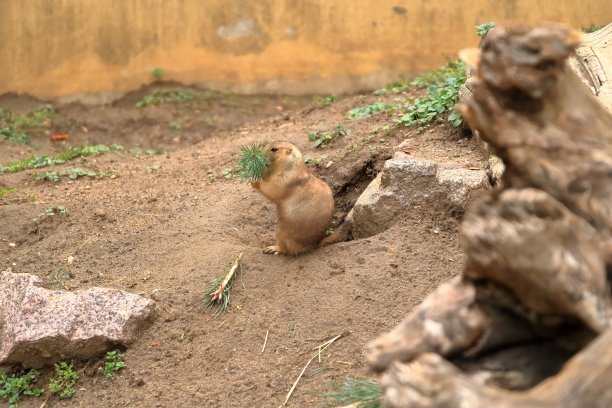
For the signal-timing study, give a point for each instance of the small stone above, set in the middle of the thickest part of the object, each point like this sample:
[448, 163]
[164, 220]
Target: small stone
[70, 259]
[12, 244]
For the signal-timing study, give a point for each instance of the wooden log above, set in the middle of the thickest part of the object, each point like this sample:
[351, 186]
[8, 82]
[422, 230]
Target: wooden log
[539, 250]
[431, 381]
[449, 320]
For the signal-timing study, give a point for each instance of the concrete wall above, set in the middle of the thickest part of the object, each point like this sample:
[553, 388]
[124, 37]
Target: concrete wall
[63, 48]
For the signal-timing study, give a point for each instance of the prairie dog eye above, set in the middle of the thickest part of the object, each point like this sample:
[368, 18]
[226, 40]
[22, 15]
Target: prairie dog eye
[274, 149]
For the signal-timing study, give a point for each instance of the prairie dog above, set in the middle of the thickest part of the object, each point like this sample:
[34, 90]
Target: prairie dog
[304, 203]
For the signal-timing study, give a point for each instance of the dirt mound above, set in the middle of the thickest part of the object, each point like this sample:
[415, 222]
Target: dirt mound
[165, 225]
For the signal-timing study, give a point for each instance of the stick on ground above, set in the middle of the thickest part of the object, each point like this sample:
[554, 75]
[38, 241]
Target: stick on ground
[319, 348]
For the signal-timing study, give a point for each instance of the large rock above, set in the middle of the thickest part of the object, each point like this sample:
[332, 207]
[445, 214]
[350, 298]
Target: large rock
[40, 327]
[406, 182]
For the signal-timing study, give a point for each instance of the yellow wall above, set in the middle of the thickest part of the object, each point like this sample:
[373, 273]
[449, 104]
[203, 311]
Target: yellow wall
[101, 48]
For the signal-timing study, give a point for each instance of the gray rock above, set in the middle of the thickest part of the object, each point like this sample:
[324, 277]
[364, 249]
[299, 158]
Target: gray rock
[406, 182]
[39, 327]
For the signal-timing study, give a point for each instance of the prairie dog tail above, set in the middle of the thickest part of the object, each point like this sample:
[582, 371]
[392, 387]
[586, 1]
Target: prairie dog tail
[343, 233]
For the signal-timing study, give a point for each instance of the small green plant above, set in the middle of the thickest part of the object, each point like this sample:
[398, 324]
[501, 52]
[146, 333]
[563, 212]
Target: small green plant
[72, 173]
[175, 126]
[591, 28]
[14, 135]
[148, 152]
[161, 96]
[326, 100]
[114, 361]
[398, 86]
[483, 29]
[6, 191]
[314, 160]
[58, 209]
[319, 138]
[157, 73]
[369, 110]
[360, 393]
[210, 121]
[62, 383]
[48, 176]
[35, 162]
[442, 95]
[229, 173]
[13, 126]
[60, 278]
[13, 387]
[439, 76]
[323, 138]
[253, 163]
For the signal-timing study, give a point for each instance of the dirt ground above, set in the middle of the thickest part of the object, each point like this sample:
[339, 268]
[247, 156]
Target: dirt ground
[166, 225]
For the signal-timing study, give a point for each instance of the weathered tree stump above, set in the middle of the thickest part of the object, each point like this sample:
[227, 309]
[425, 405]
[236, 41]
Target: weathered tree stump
[534, 293]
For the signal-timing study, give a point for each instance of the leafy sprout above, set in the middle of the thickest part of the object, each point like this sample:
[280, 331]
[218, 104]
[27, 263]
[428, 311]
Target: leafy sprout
[253, 163]
[114, 361]
[62, 383]
[13, 386]
[483, 29]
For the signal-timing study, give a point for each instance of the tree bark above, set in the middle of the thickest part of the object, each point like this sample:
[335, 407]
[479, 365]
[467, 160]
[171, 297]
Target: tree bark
[534, 292]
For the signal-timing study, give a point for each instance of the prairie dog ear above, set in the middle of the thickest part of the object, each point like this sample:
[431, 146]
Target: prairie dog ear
[289, 152]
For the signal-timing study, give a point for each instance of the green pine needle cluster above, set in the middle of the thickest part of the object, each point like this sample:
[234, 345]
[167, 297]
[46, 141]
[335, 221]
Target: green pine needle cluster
[361, 392]
[223, 300]
[254, 162]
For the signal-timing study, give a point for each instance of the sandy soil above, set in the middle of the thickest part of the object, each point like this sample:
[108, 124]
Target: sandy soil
[166, 225]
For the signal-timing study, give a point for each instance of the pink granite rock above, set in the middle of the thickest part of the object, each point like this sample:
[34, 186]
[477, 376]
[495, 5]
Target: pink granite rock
[39, 327]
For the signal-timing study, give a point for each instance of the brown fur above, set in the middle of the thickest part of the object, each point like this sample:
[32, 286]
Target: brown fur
[304, 203]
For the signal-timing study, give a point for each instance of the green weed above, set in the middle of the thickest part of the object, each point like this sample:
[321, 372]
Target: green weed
[72, 173]
[175, 126]
[229, 173]
[35, 162]
[48, 176]
[326, 100]
[591, 28]
[157, 73]
[13, 387]
[398, 86]
[369, 110]
[62, 383]
[483, 29]
[442, 95]
[148, 152]
[162, 96]
[323, 138]
[314, 160]
[6, 191]
[360, 392]
[58, 209]
[60, 278]
[13, 126]
[13, 135]
[113, 363]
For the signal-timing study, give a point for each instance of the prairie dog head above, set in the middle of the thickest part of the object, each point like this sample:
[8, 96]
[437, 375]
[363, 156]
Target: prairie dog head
[283, 151]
